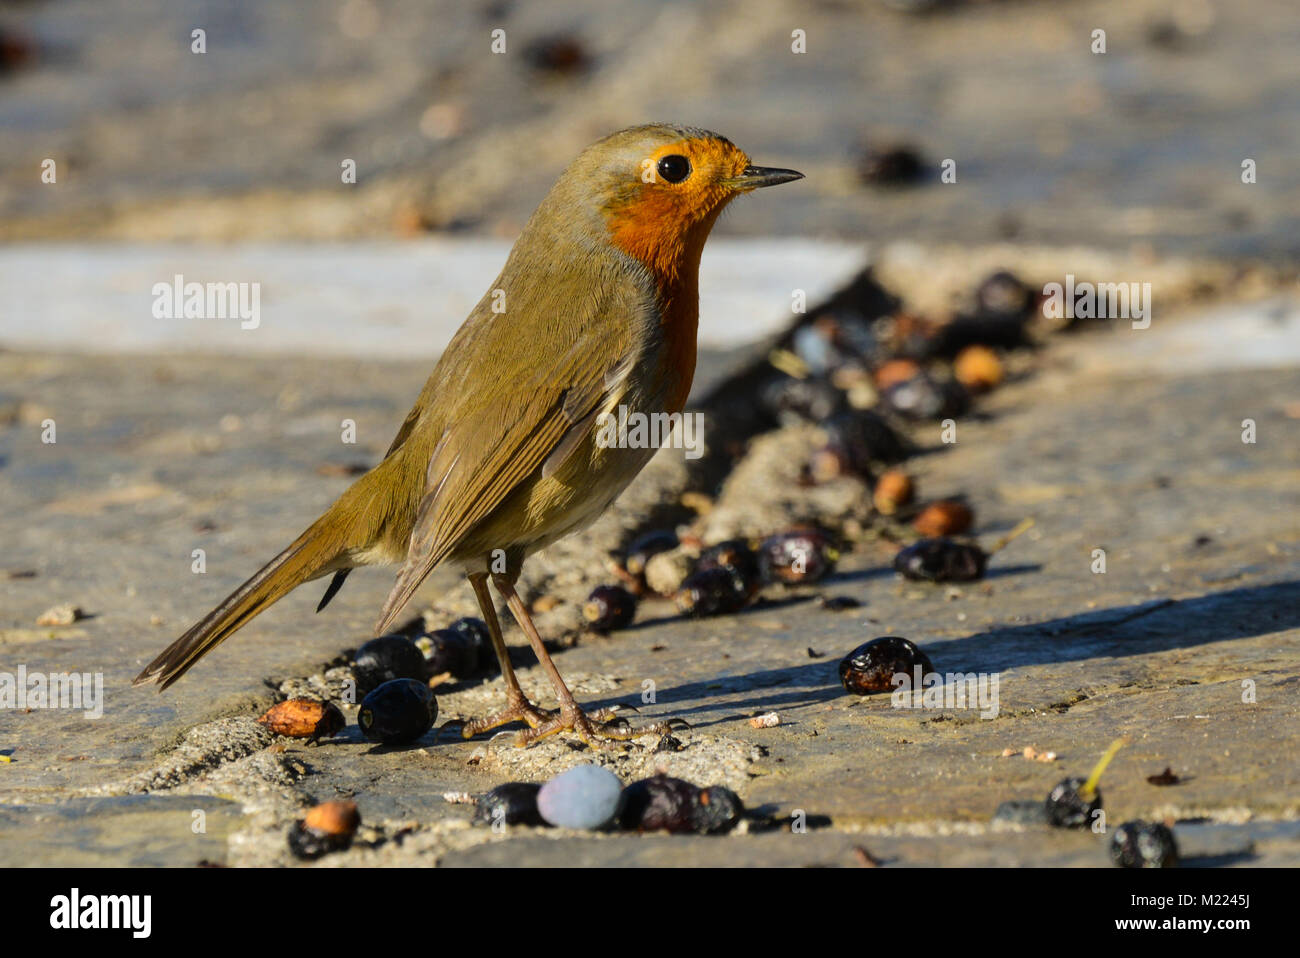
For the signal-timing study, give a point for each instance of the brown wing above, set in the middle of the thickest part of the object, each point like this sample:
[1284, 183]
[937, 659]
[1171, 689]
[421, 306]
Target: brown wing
[499, 433]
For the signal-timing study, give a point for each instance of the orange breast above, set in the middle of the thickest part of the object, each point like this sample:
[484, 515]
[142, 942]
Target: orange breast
[681, 322]
[654, 237]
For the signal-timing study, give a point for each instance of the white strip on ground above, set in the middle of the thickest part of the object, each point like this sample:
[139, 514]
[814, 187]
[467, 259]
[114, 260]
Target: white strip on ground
[1264, 334]
[371, 300]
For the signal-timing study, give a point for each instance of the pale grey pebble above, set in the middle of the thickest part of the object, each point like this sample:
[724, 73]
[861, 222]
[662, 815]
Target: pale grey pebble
[586, 796]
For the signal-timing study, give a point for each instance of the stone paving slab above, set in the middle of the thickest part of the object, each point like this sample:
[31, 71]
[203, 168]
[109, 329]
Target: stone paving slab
[374, 300]
[1200, 595]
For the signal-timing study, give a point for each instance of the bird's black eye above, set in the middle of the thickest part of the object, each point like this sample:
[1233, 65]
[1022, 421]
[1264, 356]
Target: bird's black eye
[674, 168]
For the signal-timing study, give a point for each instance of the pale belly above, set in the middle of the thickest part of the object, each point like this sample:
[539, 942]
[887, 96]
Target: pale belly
[542, 511]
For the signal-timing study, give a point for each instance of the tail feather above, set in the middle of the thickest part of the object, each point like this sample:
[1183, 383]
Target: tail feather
[311, 555]
[336, 583]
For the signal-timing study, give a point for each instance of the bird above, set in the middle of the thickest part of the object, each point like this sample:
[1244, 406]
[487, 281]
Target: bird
[596, 307]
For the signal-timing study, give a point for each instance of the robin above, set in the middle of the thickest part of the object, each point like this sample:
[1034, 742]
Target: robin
[596, 308]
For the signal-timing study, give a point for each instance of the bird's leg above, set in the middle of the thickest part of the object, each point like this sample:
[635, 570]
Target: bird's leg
[571, 717]
[518, 708]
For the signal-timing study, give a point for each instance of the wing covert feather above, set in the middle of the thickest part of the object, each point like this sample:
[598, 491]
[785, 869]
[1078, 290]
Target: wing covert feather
[490, 446]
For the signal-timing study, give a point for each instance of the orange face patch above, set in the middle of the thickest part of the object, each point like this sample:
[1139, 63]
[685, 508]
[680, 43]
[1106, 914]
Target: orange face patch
[664, 224]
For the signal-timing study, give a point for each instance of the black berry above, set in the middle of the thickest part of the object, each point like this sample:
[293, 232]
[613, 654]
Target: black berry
[1140, 844]
[1068, 808]
[862, 437]
[514, 803]
[385, 658]
[449, 650]
[609, 607]
[941, 560]
[716, 591]
[669, 804]
[734, 554]
[798, 556]
[871, 667]
[477, 630]
[892, 166]
[397, 712]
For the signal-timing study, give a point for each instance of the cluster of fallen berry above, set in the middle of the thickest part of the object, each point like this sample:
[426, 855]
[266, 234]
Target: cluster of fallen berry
[716, 580]
[858, 380]
[858, 377]
[591, 797]
[395, 675]
[1076, 803]
[586, 797]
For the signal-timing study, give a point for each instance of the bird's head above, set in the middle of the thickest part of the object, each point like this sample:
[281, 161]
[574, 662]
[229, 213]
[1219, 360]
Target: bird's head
[655, 191]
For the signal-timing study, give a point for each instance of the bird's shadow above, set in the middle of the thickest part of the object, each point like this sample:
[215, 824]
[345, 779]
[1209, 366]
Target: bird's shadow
[1140, 629]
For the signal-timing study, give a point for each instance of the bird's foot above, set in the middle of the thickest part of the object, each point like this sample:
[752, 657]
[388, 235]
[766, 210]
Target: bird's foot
[597, 728]
[518, 710]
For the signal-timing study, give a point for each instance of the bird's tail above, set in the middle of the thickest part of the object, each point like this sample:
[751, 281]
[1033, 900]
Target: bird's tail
[314, 553]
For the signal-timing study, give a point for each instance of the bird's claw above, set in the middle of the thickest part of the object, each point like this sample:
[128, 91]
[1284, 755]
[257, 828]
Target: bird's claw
[520, 711]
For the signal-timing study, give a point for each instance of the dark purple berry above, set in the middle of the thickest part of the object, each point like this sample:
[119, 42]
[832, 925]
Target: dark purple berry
[514, 803]
[1067, 808]
[477, 630]
[871, 667]
[658, 803]
[798, 556]
[1140, 844]
[561, 54]
[892, 166]
[449, 650]
[669, 804]
[609, 607]
[716, 591]
[397, 712]
[734, 554]
[384, 659]
[941, 560]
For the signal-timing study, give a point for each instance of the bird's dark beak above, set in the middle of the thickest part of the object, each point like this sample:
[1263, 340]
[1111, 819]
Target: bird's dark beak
[757, 176]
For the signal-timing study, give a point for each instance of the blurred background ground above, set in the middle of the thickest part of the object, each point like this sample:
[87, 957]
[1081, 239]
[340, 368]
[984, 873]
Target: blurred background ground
[1054, 144]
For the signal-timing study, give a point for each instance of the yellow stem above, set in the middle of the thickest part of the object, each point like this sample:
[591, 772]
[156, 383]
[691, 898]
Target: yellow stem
[1022, 527]
[1090, 786]
[789, 363]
